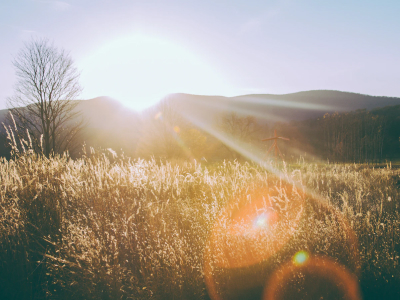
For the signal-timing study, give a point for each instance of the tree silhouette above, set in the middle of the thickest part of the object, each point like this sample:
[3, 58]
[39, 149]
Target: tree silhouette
[47, 84]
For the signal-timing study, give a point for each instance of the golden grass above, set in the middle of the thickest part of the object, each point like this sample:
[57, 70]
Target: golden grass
[106, 227]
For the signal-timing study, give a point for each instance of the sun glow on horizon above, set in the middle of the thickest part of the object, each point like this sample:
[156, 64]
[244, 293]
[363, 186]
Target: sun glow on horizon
[140, 70]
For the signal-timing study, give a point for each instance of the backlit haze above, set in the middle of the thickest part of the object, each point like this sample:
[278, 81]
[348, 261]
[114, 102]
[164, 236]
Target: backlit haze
[139, 70]
[139, 51]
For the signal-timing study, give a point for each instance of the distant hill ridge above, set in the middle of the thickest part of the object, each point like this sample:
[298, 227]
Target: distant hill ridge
[338, 97]
[287, 107]
[293, 106]
[110, 124]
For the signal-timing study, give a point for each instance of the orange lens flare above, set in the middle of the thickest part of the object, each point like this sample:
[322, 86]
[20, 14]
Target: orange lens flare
[312, 278]
[264, 229]
[250, 231]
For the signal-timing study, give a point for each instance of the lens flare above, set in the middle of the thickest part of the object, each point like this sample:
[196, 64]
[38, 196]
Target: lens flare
[249, 232]
[313, 278]
[252, 232]
[300, 258]
[264, 229]
[261, 221]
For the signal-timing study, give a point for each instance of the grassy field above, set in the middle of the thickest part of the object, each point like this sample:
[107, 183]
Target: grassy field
[106, 227]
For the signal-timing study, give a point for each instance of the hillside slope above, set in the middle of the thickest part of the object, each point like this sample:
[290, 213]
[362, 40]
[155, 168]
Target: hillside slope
[111, 125]
[288, 107]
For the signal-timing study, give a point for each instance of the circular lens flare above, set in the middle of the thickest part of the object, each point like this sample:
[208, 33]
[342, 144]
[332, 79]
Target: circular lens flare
[261, 221]
[248, 233]
[265, 228]
[300, 258]
[317, 277]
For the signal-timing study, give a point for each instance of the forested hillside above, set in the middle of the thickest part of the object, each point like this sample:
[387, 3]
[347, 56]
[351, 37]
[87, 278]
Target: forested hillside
[357, 136]
[323, 125]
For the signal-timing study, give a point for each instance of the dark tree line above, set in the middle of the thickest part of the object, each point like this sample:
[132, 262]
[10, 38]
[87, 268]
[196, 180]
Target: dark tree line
[359, 136]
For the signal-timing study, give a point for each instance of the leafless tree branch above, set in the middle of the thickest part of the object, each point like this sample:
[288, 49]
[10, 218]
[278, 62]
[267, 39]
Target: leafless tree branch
[47, 83]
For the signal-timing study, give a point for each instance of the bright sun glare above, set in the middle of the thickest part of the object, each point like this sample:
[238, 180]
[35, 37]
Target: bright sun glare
[140, 70]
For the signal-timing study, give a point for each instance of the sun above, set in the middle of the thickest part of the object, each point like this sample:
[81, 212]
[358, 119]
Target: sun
[140, 70]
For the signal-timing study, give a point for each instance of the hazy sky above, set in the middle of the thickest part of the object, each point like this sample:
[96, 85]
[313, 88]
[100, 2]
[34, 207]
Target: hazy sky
[137, 51]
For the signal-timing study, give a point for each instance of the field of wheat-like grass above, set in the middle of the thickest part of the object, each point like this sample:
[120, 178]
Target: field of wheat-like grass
[106, 227]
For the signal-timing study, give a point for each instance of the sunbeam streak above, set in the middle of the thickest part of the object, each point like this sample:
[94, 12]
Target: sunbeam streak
[220, 107]
[245, 149]
[239, 146]
[283, 103]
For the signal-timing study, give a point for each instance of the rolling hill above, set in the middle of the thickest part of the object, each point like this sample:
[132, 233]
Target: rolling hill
[110, 124]
[284, 108]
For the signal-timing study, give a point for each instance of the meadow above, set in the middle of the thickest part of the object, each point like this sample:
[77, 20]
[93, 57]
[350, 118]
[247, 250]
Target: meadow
[110, 227]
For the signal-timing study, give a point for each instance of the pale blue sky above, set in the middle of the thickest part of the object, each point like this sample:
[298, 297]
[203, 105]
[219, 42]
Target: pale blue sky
[245, 46]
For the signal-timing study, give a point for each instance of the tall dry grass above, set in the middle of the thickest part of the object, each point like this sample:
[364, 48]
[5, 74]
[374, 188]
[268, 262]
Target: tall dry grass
[107, 227]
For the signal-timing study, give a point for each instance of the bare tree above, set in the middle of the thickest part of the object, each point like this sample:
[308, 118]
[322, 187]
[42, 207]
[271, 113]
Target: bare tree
[43, 103]
[244, 129]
